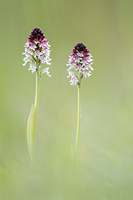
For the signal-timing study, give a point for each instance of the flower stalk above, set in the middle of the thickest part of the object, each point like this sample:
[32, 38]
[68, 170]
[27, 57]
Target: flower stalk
[31, 123]
[36, 106]
[78, 118]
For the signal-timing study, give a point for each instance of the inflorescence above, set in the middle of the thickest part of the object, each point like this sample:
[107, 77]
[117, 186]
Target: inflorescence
[80, 62]
[37, 51]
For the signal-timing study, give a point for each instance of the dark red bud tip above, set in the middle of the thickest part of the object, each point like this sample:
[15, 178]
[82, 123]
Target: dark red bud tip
[80, 47]
[36, 34]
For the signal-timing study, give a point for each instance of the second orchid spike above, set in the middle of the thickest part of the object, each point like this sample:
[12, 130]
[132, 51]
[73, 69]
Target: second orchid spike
[79, 63]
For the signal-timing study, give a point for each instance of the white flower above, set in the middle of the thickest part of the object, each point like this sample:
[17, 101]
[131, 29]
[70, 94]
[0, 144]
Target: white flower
[32, 67]
[45, 70]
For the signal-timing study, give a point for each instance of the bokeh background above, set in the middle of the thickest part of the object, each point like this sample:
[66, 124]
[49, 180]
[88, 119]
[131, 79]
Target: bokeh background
[105, 157]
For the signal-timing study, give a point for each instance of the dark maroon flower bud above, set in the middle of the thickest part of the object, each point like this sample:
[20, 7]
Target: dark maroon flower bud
[80, 47]
[36, 34]
[81, 76]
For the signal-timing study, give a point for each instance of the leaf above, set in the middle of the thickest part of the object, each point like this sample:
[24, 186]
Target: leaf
[31, 132]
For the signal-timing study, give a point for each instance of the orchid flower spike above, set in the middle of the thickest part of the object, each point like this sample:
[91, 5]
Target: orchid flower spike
[79, 63]
[37, 51]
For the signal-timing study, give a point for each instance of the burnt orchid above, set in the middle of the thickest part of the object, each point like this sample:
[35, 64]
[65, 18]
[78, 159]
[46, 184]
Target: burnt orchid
[37, 52]
[79, 63]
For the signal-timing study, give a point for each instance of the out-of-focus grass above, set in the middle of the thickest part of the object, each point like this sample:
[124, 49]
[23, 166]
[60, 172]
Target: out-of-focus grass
[105, 150]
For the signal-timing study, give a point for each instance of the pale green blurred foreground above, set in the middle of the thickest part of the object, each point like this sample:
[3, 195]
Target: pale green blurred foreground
[106, 141]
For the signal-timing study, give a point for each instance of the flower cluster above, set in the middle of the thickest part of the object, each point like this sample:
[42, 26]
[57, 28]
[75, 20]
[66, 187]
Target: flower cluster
[80, 62]
[37, 51]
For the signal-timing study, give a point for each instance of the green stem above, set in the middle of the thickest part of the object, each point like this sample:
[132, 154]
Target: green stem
[31, 123]
[36, 107]
[78, 118]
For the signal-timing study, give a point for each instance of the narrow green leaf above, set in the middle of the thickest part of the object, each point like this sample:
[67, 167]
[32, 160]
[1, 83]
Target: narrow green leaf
[31, 132]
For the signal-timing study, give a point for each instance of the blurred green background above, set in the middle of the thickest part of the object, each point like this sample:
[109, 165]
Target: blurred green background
[105, 170]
